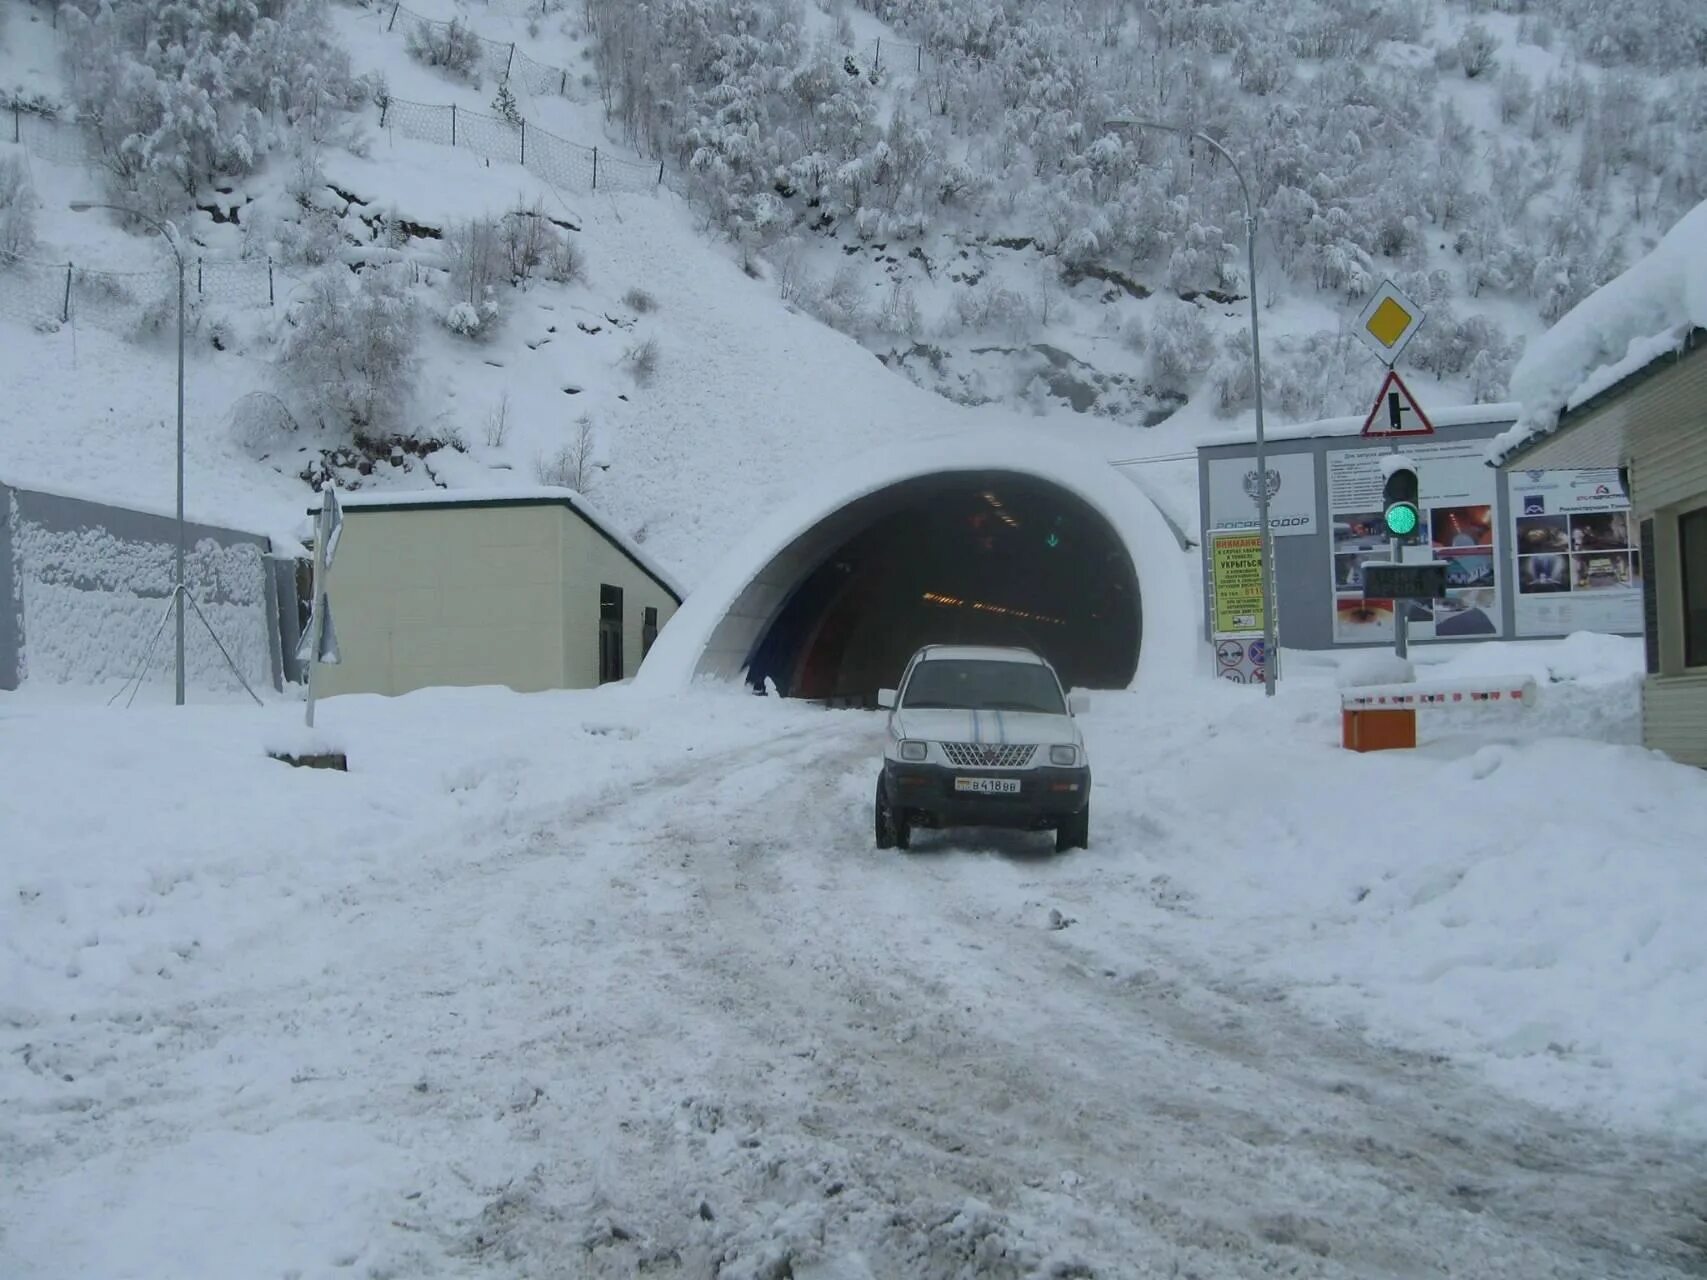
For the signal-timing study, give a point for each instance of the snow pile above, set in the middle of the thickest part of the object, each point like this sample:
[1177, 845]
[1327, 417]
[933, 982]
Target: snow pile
[1519, 899]
[1644, 313]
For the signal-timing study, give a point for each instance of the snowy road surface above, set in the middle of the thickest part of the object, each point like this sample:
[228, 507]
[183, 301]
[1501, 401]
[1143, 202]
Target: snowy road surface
[673, 1015]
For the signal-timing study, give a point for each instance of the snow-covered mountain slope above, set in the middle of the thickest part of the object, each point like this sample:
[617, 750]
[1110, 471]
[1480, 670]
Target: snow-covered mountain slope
[956, 207]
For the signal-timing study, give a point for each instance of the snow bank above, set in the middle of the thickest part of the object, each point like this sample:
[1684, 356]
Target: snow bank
[1644, 313]
[1523, 893]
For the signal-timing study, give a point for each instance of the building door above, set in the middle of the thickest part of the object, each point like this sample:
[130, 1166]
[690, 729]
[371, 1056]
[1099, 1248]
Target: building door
[610, 633]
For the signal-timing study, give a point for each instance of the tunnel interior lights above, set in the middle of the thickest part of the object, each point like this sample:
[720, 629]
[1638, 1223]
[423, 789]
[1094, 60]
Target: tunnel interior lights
[941, 600]
[1002, 513]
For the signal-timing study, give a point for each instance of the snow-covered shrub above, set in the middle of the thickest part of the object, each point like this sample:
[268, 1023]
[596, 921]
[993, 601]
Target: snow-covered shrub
[899, 316]
[452, 45]
[642, 360]
[349, 349]
[181, 93]
[1516, 94]
[840, 303]
[528, 239]
[573, 464]
[1564, 98]
[477, 255]
[639, 301]
[468, 320]
[1181, 345]
[17, 210]
[261, 421]
[1478, 50]
[564, 262]
[498, 423]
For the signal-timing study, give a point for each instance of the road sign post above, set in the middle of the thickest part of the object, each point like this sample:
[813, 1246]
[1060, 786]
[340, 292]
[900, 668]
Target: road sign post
[321, 642]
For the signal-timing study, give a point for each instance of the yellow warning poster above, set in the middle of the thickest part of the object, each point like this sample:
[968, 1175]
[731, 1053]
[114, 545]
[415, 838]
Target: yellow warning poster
[1235, 577]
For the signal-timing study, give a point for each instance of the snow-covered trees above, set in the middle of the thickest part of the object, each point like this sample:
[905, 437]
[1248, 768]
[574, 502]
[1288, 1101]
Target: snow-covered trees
[1180, 346]
[1365, 158]
[179, 93]
[349, 350]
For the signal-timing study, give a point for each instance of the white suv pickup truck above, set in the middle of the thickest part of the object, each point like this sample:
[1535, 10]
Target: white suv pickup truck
[982, 737]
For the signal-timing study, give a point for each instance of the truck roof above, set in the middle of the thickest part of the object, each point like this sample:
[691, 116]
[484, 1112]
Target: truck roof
[979, 652]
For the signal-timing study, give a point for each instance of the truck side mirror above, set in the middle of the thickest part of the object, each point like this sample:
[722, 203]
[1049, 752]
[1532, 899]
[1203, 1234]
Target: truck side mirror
[1078, 703]
[886, 698]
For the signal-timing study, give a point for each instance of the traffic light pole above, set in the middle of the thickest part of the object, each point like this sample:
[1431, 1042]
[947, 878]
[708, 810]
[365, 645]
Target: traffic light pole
[1401, 610]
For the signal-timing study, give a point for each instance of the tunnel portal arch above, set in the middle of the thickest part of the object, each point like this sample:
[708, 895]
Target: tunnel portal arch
[967, 540]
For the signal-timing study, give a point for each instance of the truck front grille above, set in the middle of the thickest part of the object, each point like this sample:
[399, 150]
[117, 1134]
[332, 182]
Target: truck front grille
[989, 755]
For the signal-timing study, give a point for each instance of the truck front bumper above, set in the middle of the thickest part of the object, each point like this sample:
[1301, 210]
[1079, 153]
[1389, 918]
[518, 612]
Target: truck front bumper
[925, 795]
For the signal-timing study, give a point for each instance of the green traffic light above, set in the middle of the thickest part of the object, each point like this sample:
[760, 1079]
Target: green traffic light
[1401, 520]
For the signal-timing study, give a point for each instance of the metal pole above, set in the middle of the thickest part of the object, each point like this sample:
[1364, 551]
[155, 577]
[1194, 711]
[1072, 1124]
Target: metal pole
[169, 234]
[317, 607]
[1271, 650]
[1401, 610]
[178, 587]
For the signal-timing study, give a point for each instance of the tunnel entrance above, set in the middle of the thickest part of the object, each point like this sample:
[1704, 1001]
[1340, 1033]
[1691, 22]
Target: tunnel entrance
[956, 558]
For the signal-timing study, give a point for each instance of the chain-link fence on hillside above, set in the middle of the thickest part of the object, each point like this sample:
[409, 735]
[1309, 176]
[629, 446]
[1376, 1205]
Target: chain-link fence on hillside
[557, 160]
[895, 56]
[56, 141]
[501, 57]
[48, 294]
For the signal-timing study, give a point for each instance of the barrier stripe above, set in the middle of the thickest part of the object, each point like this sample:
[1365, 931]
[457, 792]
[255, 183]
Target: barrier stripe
[1432, 698]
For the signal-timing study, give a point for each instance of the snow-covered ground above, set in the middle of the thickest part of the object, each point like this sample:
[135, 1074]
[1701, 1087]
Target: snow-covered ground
[606, 984]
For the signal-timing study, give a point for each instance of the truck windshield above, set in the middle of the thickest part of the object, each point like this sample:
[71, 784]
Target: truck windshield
[971, 684]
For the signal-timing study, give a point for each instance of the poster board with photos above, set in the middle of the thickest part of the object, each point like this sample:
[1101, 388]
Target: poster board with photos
[1457, 496]
[1579, 561]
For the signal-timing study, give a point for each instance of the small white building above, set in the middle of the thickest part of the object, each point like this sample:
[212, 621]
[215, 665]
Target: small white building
[527, 589]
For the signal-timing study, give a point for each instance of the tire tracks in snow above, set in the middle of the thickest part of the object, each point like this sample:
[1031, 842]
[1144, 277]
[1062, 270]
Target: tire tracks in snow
[1169, 1116]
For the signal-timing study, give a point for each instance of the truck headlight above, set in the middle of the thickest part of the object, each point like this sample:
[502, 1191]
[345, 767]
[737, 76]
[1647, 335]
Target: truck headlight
[1065, 754]
[913, 752]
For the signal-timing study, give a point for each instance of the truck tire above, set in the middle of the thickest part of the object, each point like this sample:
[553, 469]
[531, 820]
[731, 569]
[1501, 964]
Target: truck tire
[1074, 832]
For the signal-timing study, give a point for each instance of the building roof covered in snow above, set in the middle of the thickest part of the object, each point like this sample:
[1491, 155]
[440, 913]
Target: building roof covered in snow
[1655, 310]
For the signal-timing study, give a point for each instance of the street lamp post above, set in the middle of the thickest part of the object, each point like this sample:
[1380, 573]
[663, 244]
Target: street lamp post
[170, 234]
[1271, 654]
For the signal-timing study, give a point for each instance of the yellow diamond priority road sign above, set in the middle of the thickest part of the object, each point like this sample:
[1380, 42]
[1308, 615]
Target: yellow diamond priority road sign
[1388, 321]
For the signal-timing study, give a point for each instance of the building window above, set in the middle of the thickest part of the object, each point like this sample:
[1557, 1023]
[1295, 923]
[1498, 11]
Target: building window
[648, 630]
[610, 633]
[1692, 559]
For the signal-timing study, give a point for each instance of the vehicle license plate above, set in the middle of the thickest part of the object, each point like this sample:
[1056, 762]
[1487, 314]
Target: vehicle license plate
[988, 786]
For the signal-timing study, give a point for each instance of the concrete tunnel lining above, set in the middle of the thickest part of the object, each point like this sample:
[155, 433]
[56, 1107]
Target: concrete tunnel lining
[725, 617]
